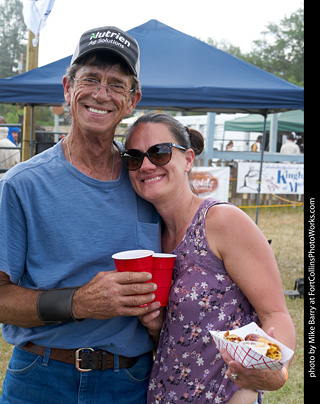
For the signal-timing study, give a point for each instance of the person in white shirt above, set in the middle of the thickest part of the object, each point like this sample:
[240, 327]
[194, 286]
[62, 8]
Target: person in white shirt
[8, 156]
[290, 147]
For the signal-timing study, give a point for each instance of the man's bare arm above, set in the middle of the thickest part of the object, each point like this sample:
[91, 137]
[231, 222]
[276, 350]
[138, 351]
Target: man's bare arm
[18, 306]
[107, 295]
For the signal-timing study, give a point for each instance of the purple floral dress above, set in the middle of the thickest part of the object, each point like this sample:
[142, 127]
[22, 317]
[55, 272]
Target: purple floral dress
[188, 367]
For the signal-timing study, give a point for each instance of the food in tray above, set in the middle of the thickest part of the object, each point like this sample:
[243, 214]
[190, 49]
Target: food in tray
[274, 352]
[258, 343]
[260, 347]
[232, 337]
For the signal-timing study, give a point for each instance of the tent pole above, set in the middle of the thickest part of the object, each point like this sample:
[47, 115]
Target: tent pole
[261, 163]
[211, 121]
[31, 130]
[31, 63]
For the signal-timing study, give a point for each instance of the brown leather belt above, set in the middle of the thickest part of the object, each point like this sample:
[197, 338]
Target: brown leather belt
[84, 359]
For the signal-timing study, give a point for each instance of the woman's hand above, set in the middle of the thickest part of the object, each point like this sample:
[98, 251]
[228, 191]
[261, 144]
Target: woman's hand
[253, 379]
[153, 319]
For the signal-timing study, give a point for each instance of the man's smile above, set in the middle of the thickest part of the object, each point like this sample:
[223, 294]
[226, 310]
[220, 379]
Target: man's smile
[97, 111]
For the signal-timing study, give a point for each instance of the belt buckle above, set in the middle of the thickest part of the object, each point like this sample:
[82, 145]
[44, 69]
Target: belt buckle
[78, 359]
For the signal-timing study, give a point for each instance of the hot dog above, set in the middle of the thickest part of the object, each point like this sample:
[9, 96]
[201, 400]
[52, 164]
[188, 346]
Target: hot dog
[274, 352]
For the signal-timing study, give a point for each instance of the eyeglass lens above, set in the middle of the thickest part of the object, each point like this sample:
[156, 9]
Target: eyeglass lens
[95, 86]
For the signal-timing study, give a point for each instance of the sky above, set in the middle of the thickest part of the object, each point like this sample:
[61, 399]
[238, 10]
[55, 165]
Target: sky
[238, 22]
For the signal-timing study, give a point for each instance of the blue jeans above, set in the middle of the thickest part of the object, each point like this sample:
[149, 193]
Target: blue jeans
[33, 379]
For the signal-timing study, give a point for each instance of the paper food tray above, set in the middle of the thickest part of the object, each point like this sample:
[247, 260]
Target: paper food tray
[247, 356]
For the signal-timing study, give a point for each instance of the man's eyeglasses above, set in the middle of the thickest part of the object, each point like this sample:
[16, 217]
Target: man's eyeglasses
[95, 86]
[159, 154]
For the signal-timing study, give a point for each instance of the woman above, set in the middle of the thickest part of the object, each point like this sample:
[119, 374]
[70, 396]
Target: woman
[225, 275]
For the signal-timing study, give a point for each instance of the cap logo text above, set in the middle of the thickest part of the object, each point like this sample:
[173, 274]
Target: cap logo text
[112, 35]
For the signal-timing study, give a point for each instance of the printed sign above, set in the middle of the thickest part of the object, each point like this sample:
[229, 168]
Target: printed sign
[211, 182]
[277, 178]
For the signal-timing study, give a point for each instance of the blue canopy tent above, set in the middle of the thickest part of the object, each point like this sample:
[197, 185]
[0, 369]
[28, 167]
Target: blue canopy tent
[178, 72]
[39, 86]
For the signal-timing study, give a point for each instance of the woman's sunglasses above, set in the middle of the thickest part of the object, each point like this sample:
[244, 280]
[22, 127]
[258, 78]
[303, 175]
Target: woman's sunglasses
[159, 154]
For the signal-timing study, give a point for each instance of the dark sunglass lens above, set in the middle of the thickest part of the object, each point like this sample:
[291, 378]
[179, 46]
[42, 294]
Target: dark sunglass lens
[132, 159]
[160, 154]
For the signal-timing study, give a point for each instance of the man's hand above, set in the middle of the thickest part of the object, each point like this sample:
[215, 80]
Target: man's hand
[111, 294]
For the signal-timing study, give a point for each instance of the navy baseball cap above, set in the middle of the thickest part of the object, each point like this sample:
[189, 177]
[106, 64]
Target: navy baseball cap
[110, 39]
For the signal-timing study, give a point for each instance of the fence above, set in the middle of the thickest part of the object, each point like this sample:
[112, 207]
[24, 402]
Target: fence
[44, 140]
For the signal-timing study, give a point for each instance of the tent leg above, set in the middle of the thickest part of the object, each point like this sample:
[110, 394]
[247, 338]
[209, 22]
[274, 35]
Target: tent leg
[211, 121]
[31, 130]
[261, 164]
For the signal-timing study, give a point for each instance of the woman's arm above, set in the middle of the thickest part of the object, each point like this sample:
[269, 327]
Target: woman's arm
[250, 262]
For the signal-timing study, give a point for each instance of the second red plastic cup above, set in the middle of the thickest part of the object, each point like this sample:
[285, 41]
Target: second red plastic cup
[162, 268]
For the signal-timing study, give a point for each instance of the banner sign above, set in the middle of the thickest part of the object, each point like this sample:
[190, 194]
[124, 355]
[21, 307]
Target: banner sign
[277, 178]
[211, 182]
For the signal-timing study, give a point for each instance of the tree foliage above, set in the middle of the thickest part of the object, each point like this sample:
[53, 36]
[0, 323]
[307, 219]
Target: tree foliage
[13, 37]
[280, 51]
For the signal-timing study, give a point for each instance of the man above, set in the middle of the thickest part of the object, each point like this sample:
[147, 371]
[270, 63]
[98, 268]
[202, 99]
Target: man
[71, 316]
[13, 135]
[290, 147]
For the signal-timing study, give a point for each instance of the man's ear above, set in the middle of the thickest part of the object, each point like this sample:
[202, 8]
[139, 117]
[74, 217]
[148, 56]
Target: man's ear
[133, 101]
[67, 89]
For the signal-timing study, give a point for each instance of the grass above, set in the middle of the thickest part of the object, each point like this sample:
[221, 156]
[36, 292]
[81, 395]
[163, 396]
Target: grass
[284, 226]
[5, 354]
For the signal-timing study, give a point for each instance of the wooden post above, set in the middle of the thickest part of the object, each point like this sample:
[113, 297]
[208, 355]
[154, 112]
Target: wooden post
[31, 63]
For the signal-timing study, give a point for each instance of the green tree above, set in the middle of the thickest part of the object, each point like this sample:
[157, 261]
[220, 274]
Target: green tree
[226, 46]
[13, 37]
[280, 51]
[45, 116]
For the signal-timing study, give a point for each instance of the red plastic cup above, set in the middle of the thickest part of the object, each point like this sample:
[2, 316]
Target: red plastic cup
[134, 260]
[162, 267]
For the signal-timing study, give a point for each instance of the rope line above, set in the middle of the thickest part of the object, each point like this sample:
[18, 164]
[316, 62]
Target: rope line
[270, 206]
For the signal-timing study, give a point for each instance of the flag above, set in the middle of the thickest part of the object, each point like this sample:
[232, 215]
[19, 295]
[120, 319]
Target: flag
[35, 14]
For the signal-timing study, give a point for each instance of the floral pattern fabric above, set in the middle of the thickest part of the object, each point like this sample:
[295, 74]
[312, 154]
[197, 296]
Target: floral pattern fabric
[188, 367]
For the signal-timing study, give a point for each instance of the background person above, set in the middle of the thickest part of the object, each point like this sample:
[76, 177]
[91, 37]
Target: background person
[8, 156]
[66, 211]
[229, 145]
[13, 135]
[290, 147]
[225, 274]
[257, 144]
